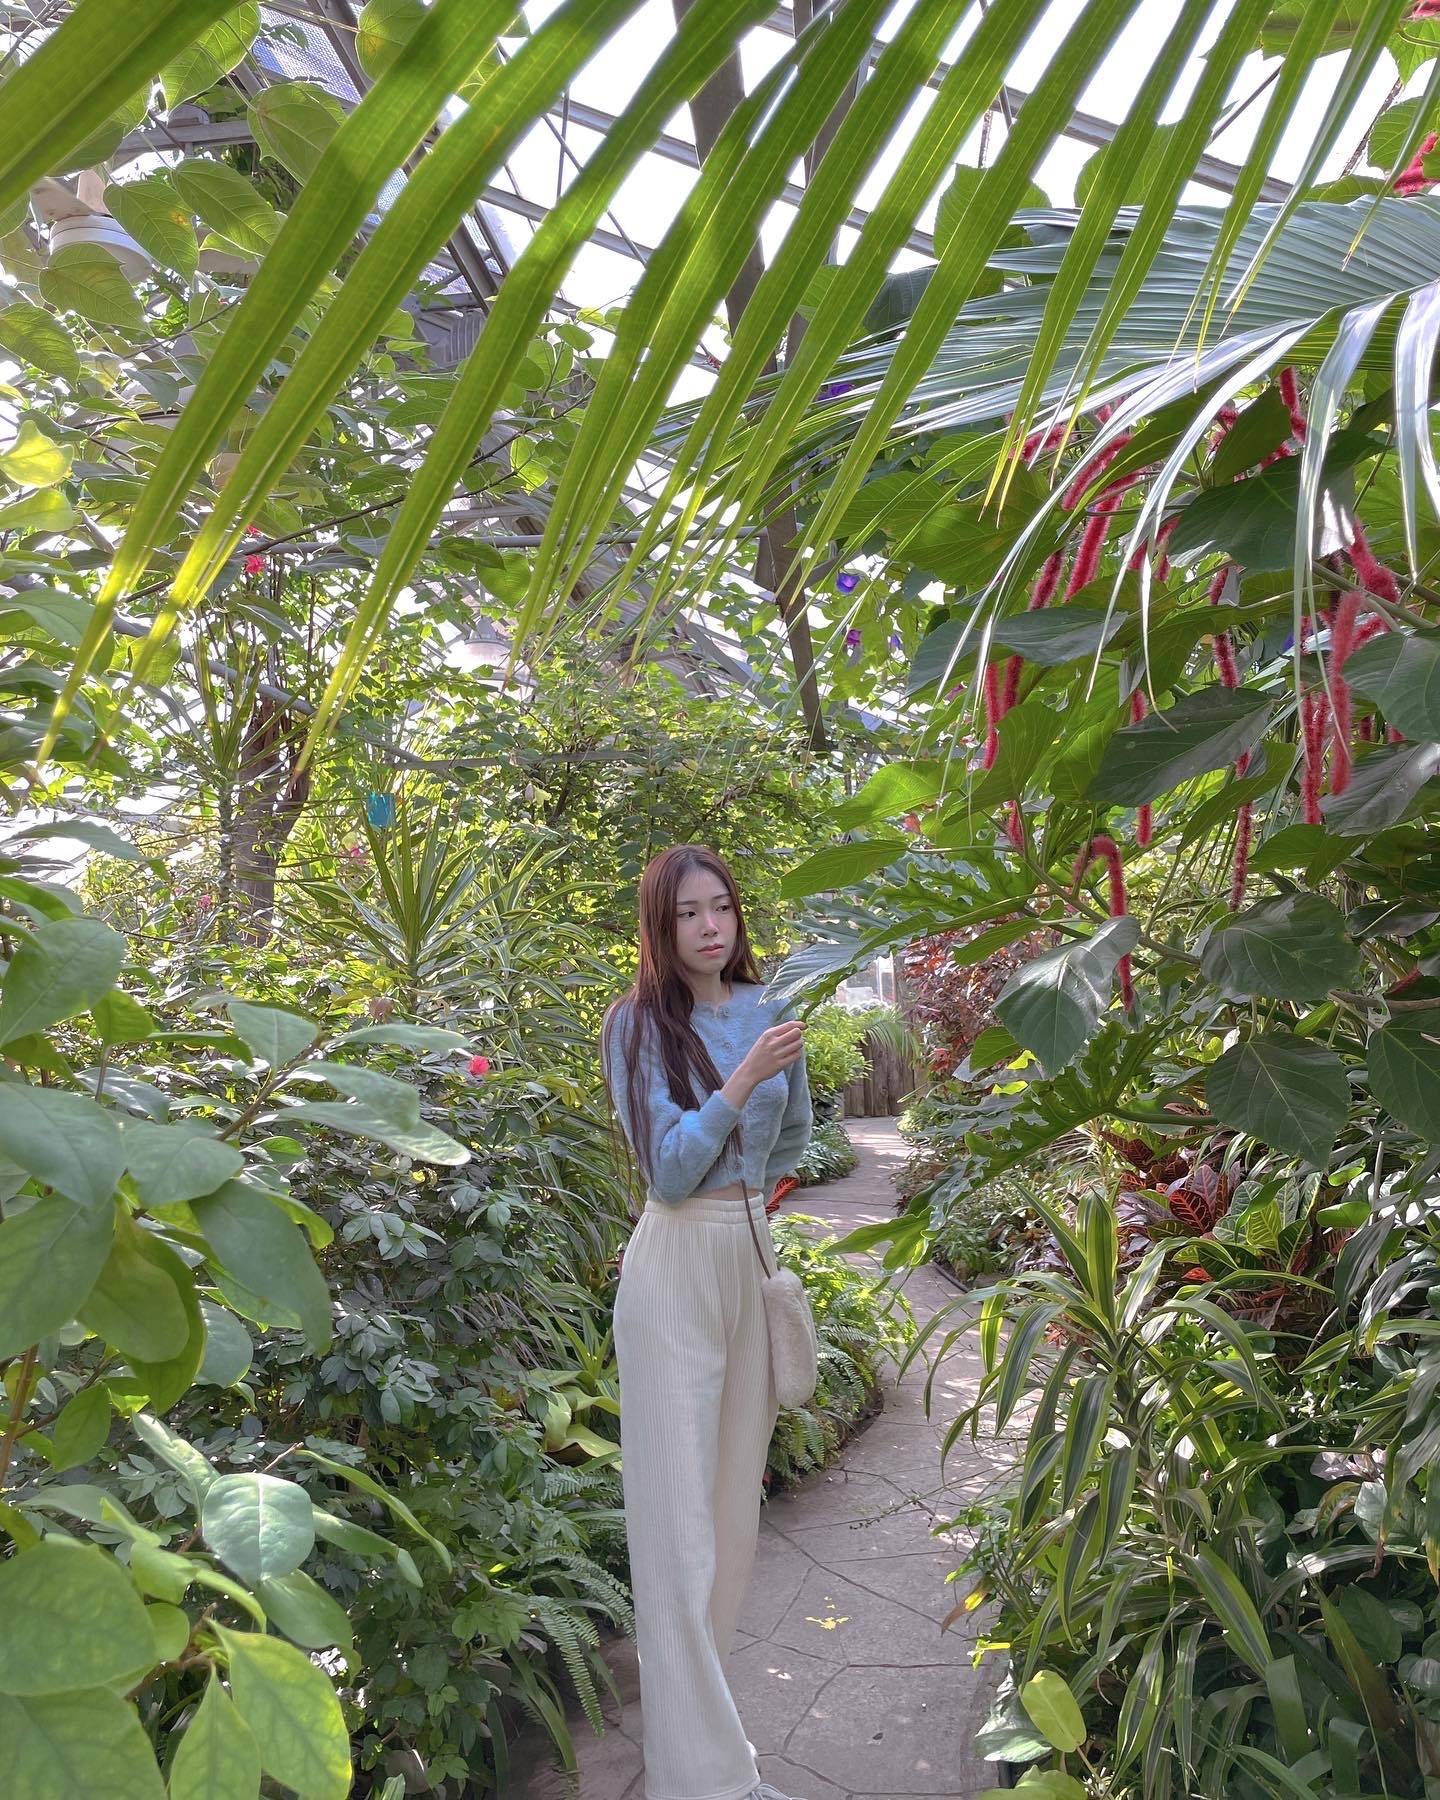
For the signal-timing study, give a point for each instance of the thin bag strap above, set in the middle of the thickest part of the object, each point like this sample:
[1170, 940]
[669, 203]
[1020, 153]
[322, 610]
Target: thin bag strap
[754, 1235]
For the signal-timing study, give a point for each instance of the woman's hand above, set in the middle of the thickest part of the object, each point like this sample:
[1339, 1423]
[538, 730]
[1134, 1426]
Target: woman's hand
[775, 1050]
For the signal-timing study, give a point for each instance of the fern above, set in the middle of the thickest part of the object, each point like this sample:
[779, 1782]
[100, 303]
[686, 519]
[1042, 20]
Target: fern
[573, 1635]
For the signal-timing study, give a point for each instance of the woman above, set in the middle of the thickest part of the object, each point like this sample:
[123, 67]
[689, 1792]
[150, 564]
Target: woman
[709, 1085]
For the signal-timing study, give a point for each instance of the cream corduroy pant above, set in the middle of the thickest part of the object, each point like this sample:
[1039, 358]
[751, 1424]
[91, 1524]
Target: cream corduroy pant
[697, 1409]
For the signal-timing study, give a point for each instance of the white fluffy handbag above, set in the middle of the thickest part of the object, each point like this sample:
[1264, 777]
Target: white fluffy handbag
[790, 1320]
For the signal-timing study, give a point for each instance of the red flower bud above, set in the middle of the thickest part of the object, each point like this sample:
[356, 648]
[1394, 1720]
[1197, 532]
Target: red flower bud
[479, 1065]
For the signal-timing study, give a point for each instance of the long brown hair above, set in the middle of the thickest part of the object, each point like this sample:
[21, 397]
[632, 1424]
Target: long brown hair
[660, 1000]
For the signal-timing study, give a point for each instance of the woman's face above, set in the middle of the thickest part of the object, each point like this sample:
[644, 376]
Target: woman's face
[705, 924]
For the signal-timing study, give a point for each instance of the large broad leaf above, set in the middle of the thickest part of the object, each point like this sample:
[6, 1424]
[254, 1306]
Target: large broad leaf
[258, 1525]
[50, 1256]
[170, 1163]
[892, 790]
[1403, 1058]
[1288, 1092]
[62, 1139]
[275, 1036]
[1058, 634]
[291, 1708]
[1253, 521]
[86, 279]
[1402, 676]
[1293, 948]
[254, 1241]
[304, 1611]
[228, 1349]
[165, 1379]
[87, 1742]
[427, 1142]
[1383, 788]
[57, 972]
[135, 1304]
[1025, 735]
[32, 335]
[72, 1620]
[841, 866]
[158, 220]
[212, 55]
[1053, 1004]
[218, 1758]
[294, 121]
[1051, 1705]
[1204, 731]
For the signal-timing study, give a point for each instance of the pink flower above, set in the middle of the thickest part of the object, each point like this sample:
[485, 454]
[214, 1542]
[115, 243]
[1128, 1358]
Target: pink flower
[254, 564]
[356, 852]
[205, 900]
[253, 531]
[479, 1065]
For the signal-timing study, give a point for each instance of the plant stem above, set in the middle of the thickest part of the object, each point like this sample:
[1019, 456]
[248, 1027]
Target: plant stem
[24, 1382]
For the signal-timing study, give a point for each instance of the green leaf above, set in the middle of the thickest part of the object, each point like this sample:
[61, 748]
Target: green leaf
[1206, 730]
[50, 1255]
[135, 1305]
[32, 335]
[1051, 1705]
[1293, 948]
[892, 790]
[1402, 676]
[1403, 1059]
[1058, 634]
[56, 972]
[86, 831]
[1383, 788]
[86, 279]
[369, 1485]
[1253, 521]
[218, 1758]
[304, 1611]
[60, 1746]
[119, 1019]
[212, 55]
[81, 1429]
[1288, 1092]
[163, 1574]
[227, 203]
[72, 1620]
[384, 29]
[1026, 733]
[291, 1708]
[165, 1380]
[426, 1142]
[158, 220]
[45, 510]
[228, 1349]
[62, 1139]
[171, 1629]
[408, 1037]
[252, 1240]
[841, 865]
[170, 1163]
[184, 1458]
[1054, 1003]
[258, 1525]
[294, 121]
[1262, 427]
[273, 1036]
[1376, 1629]
[1233, 1607]
[35, 459]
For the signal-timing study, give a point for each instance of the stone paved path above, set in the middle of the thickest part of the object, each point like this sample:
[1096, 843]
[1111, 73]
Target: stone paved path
[847, 1686]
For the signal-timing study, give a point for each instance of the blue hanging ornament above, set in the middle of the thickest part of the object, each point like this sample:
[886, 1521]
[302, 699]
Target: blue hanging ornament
[380, 809]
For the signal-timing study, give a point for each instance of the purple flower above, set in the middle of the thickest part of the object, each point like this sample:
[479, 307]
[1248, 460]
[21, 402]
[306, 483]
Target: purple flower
[832, 390]
[848, 582]
[894, 640]
[853, 637]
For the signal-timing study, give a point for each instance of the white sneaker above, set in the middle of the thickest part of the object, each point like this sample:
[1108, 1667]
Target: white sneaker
[766, 1792]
